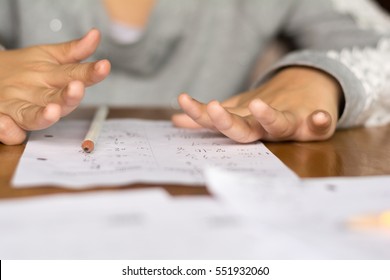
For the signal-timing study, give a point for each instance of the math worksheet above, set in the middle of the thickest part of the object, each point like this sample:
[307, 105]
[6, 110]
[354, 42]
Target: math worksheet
[137, 151]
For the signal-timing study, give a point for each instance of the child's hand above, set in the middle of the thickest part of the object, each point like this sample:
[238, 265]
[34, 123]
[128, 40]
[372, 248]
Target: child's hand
[298, 103]
[40, 84]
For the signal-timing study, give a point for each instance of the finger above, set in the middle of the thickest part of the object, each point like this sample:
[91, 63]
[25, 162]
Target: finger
[75, 50]
[29, 116]
[240, 129]
[195, 110]
[278, 125]
[68, 98]
[241, 98]
[89, 73]
[10, 132]
[319, 122]
[183, 120]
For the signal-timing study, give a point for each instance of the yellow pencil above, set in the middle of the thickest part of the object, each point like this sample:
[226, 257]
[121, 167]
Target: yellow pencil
[90, 139]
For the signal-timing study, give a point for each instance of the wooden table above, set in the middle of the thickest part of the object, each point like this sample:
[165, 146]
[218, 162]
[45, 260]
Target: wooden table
[353, 152]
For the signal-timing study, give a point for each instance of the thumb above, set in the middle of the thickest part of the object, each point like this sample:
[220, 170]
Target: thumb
[319, 122]
[75, 50]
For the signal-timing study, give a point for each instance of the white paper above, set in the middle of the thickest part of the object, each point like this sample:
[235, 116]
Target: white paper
[245, 218]
[130, 151]
[313, 213]
[123, 224]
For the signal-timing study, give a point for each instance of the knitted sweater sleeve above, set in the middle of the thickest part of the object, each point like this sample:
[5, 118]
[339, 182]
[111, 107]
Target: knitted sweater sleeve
[350, 40]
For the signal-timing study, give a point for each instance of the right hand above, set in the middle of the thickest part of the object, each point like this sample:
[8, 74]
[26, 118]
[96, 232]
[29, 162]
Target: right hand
[296, 104]
[40, 84]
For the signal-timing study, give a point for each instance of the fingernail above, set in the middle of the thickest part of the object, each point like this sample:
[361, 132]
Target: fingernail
[320, 117]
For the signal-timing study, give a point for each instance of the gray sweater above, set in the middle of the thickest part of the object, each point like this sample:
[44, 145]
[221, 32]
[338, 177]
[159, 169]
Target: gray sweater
[208, 48]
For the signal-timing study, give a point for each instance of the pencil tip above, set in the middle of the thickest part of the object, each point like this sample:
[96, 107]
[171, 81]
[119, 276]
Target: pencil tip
[87, 146]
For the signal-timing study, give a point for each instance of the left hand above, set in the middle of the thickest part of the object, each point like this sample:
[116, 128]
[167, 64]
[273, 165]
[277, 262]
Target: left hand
[298, 103]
